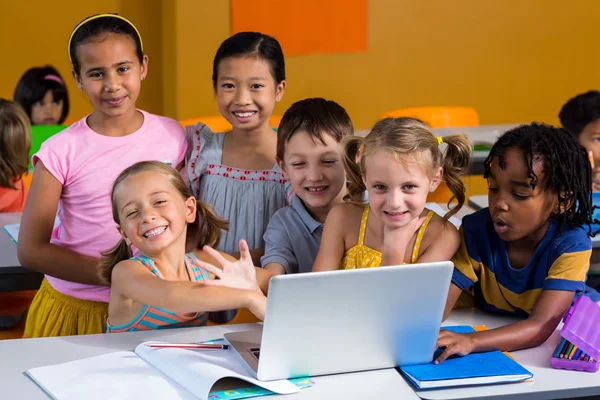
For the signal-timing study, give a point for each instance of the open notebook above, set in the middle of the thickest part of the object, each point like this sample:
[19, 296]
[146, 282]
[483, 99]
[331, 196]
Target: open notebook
[155, 373]
[473, 369]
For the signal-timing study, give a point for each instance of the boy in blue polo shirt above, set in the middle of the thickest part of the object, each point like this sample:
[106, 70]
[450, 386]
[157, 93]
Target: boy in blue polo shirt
[310, 154]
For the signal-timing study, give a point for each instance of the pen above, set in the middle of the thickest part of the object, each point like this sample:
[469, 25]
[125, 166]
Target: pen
[187, 346]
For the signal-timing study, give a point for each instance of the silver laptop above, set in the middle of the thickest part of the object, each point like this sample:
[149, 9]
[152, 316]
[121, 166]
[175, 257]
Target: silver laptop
[343, 321]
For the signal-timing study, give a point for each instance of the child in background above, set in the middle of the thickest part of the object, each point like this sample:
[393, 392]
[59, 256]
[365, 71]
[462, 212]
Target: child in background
[41, 91]
[399, 163]
[580, 116]
[155, 212]
[74, 173]
[236, 172]
[15, 142]
[527, 254]
[310, 154]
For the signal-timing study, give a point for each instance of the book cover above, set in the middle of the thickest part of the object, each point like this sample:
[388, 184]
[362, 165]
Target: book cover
[473, 369]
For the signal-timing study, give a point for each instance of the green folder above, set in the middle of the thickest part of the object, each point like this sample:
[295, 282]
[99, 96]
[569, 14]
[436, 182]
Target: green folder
[39, 133]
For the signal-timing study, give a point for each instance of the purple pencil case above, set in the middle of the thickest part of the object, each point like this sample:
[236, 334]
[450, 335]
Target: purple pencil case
[582, 328]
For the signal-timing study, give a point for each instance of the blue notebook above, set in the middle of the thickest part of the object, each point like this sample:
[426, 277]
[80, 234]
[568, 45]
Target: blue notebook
[473, 369]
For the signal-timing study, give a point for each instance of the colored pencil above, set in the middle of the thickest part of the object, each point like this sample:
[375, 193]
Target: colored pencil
[559, 347]
[577, 354]
[566, 352]
[187, 346]
[572, 352]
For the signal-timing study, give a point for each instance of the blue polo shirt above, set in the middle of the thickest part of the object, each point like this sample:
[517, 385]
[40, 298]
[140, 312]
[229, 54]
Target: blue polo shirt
[560, 262]
[292, 238]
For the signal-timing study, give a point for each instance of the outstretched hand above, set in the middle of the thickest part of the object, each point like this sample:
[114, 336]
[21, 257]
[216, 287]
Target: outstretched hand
[455, 343]
[239, 274]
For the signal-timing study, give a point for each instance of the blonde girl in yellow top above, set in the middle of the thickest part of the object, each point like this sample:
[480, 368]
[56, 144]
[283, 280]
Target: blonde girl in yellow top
[397, 164]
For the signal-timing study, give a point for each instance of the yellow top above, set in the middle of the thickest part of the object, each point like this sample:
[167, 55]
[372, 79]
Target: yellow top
[361, 256]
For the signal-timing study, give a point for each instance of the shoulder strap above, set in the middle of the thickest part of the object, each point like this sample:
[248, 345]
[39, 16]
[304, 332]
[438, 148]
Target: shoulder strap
[363, 225]
[415, 253]
[148, 263]
[196, 272]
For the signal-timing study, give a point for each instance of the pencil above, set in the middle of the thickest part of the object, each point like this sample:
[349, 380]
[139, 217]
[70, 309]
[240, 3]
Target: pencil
[566, 351]
[187, 346]
[559, 347]
[577, 354]
[591, 157]
[572, 352]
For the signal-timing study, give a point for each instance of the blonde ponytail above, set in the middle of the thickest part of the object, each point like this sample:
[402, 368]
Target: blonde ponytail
[352, 147]
[456, 163]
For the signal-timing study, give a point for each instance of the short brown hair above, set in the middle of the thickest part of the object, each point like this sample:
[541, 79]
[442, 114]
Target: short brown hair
[15, 142]
[315, 116]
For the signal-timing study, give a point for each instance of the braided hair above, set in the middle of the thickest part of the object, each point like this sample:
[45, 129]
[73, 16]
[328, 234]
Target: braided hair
[566, 166]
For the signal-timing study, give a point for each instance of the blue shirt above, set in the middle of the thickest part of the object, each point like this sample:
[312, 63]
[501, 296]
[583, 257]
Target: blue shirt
[292, 238]
[560, 262]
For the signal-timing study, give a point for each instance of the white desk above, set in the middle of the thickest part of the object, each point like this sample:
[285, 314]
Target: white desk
[12, 275]
[28, 353]
[547, 383]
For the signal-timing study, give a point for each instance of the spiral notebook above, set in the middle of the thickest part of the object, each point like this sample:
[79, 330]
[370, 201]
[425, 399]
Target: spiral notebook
[473, 369]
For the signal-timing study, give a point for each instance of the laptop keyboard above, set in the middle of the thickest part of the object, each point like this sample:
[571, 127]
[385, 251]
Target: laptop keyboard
[256, 352]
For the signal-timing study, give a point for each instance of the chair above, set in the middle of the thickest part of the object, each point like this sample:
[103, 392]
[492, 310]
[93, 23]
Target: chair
[216, 124]
[220, 124]
[445, 117]
[27, 179]
[439, 117]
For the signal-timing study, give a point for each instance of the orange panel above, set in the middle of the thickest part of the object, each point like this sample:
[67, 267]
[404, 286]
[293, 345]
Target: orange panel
[307, 26]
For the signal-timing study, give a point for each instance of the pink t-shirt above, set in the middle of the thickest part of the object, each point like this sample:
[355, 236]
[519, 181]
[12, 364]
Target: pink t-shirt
[86, 164]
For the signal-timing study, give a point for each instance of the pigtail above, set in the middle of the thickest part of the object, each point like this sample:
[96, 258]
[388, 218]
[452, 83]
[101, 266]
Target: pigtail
[109, 259]
[352, 148]
[207, 229]
[456, 163]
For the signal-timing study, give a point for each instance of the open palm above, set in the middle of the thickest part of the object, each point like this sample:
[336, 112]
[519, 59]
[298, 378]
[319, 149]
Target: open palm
[239, 274]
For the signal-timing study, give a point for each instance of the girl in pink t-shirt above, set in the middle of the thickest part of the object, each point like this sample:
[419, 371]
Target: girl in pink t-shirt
[74, 171]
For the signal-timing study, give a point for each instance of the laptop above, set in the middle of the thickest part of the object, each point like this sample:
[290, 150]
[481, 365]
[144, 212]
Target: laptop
[343, 321]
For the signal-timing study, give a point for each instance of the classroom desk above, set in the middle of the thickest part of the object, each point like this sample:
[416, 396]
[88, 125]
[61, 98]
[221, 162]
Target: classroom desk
[28, 353]
[548, 383]
[483, 134]
[12, 275]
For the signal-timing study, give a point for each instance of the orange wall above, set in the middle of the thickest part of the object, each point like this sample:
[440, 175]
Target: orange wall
[512, 60]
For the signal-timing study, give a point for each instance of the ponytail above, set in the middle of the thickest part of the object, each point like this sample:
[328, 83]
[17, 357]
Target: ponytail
[352, 147]
[456, 163]
[109, 259]
[206, 231]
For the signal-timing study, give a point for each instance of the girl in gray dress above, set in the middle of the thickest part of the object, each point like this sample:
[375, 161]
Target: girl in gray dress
[236, 172]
